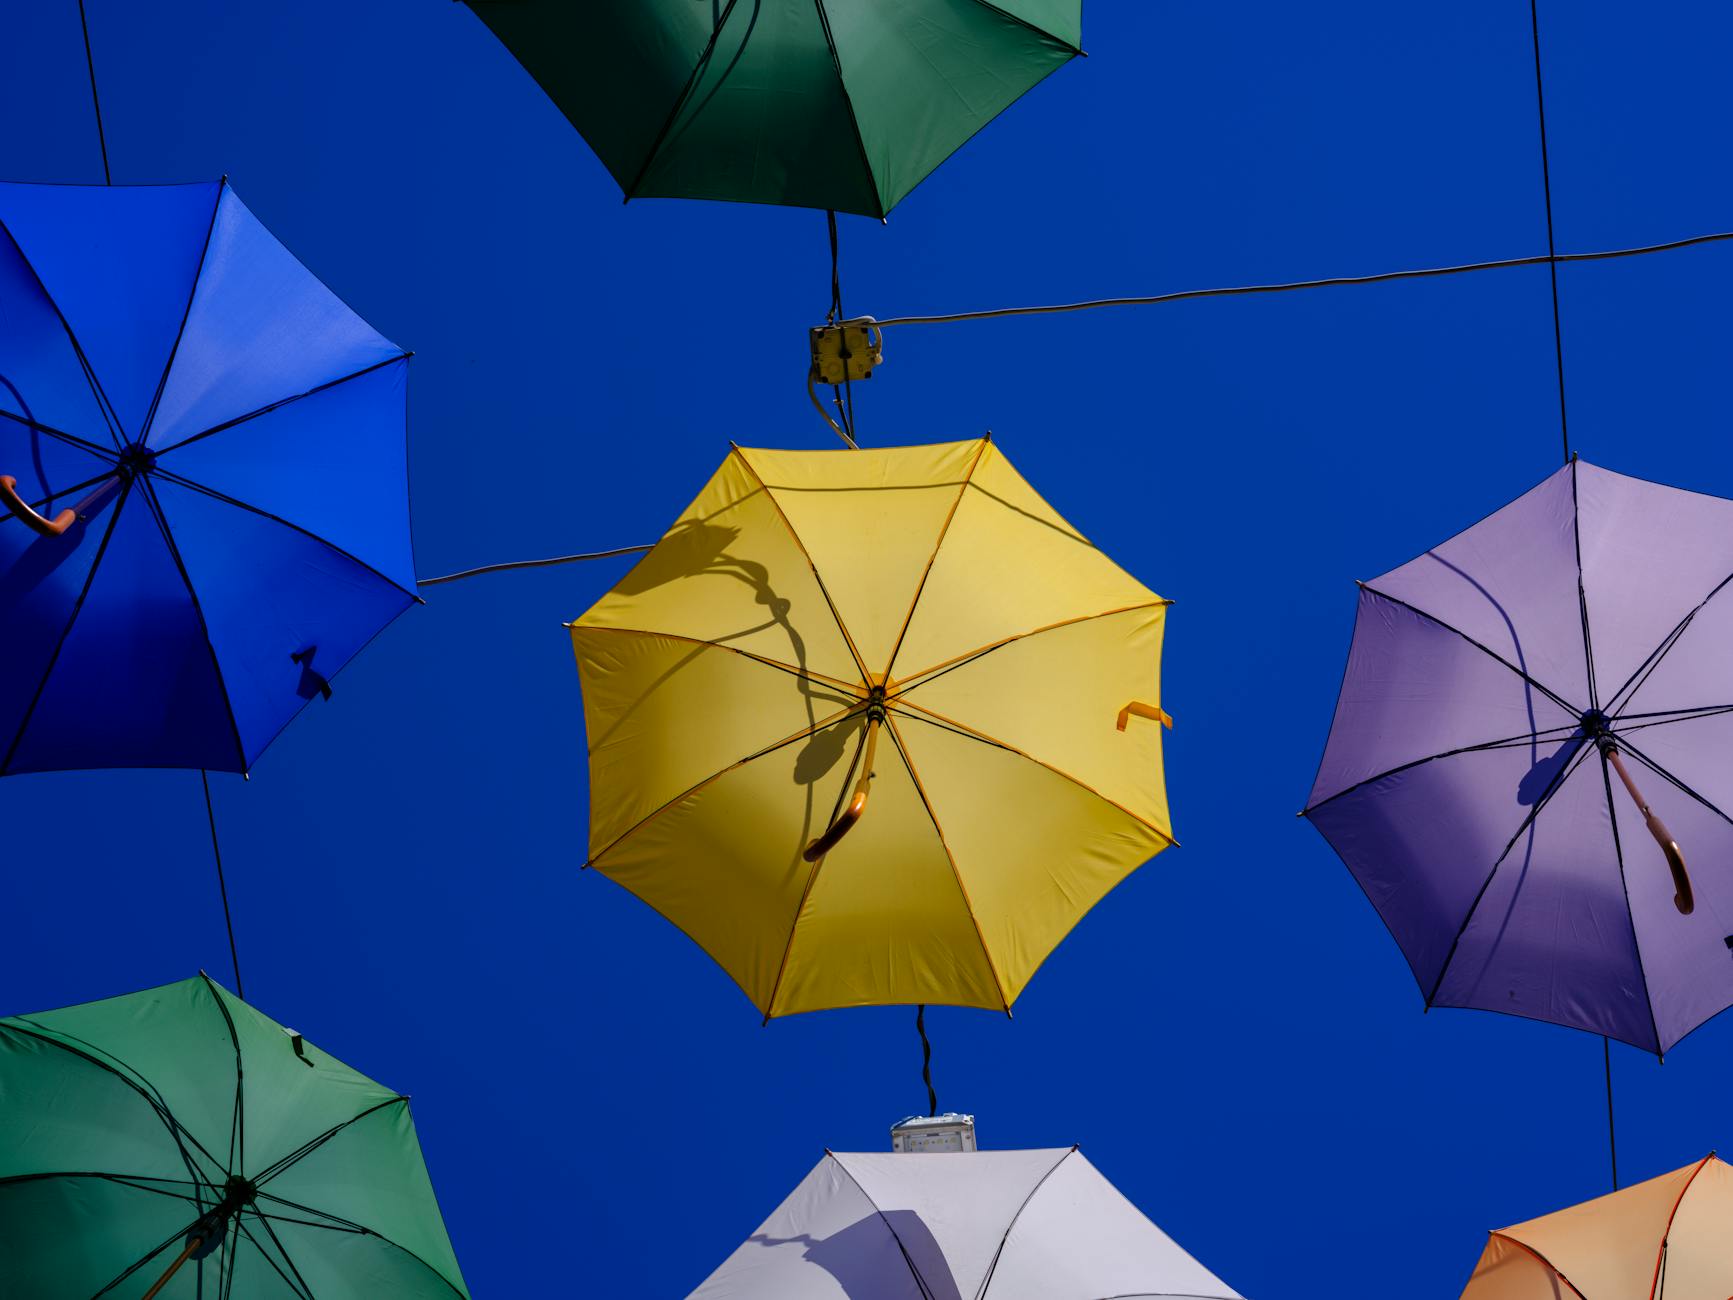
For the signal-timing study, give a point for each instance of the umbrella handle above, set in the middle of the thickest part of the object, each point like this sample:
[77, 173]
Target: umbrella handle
[36, 523]
[1683, 896]
[193, 1243]
[1137, 709]
[856, 805]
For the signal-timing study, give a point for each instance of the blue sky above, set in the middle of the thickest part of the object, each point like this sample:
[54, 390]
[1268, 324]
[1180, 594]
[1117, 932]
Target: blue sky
[1231, 1035]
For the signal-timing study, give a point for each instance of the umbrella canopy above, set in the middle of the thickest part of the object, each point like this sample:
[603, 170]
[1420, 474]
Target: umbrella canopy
[180, 1121]
[202, 465]
[911, 625]
[1665, 1239]
[982, 1225]
[843, 104]
[1529, 765]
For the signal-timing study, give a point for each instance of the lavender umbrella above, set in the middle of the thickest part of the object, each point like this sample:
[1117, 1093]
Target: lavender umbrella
[1533, 739]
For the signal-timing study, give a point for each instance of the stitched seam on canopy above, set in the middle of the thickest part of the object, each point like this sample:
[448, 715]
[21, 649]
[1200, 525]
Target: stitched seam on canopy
[885, 1219]
[186, 315]
[77, 608]
[821, 724]
[951, 858]
[805, 674]
[1630, 916]
[282, 402]
[859, 662]
[927, 572]
[161, 521]
[969, 733]
[848, 103]
[993, 1267]
[1557, 1272]
[917, 680]
[1582, 595]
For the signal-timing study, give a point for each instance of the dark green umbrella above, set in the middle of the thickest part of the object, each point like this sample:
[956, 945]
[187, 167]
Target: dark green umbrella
[176, 1143]
[841, 104]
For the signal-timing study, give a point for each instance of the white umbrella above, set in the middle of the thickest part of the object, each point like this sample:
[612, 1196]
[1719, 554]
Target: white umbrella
[981, 1225]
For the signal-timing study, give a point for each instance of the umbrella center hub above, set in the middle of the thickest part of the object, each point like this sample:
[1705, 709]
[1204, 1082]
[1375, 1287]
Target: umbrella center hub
[875, 709]
[1596, 725]
[136, 459]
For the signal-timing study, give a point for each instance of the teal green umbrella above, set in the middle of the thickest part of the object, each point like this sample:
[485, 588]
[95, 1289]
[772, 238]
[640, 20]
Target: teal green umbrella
[841, 104]
[178, 1144]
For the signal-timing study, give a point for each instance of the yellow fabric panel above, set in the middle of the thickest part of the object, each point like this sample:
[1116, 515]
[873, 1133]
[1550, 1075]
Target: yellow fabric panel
[1608, 1246]
[1034, 849]
[1508, 1272]
[885, 920]
[870, 521]
[1057, 695]
[724, 862]
[1700, 1247]
[1009, 565]
[730, 571]
[651, 705]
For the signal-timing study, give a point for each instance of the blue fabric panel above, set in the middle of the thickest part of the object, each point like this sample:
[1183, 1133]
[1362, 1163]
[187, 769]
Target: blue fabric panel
[332, 463]
[262, 328]
[135, 684]
[119, 261]
[40, 377]
[40, 581]
[269, 593]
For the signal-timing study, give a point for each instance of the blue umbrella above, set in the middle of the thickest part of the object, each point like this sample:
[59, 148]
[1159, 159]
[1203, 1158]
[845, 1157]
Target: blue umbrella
[202, 468]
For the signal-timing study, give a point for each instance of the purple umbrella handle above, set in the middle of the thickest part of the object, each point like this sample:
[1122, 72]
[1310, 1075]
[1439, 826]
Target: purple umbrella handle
[36, 523]
[856, 805]
[1683, 897]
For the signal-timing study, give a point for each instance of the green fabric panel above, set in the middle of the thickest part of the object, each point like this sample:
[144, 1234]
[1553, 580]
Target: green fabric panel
[614, 69]
[373, 1174]
[766, 120]
[1061, 18]
[71, 1236]
[354, 1266]
[926, 75]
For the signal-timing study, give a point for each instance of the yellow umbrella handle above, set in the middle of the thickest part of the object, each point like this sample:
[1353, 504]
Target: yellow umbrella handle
[36, 523]
[857, 805]
[1683, 897]
[1137, 709]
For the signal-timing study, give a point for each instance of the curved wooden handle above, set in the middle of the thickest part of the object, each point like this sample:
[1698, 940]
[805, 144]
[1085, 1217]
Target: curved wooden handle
[1138, 709]
[856, 805]
[36, 523]
[1684, 898]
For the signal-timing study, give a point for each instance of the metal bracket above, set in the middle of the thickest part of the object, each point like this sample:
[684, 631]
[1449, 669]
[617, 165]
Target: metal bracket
[846, 351]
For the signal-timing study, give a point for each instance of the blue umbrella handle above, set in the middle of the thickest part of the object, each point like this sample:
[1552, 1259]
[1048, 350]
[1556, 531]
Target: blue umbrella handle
[36, 523]
[1683, 897]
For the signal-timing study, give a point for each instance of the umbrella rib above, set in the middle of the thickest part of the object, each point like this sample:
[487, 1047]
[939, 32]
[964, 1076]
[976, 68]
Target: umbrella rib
[238, 1128]
[1647, 668]
[935, 719]
[956, 873]
[138, 1182]
[1557, 1272]
[298, 1284]
[679, 103]
[44, 502]
[282, 402]
[1661, 1251]
[312, 1144]
[916, 680]
[805, 674]
[993, 1267]
[1510, 742]
[181, 480]
[351, 1230]
[145, 1259]
[1024, 22]
[77, 608]
[337, 1222]
[1490, 653]
[1565, 772]
[1668, 777]
[161, 519]
[770, 496]
[71, 439]
[1582, 596]
[595, 858]
[915, 1273]
[1631, 916]
[848, 103]
[103, 406]
[192, 296]
[944, 532]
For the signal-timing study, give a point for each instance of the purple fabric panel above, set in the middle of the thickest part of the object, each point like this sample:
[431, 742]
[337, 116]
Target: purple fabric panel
[1696, 671]
[1650, 555]
[1510, 583]
[1415, 689]
[1422, 842]
[1551, 938]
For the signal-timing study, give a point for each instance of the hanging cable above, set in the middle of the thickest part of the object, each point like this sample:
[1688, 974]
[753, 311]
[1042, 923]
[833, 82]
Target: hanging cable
[90, 62]
[1612, 1143]
[926, 1059]
[843, 397]
[222, 885]
[531, 564]
[1552, 258]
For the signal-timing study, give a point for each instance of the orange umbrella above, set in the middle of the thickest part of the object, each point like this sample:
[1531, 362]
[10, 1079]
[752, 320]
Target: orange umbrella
[1666, 1239]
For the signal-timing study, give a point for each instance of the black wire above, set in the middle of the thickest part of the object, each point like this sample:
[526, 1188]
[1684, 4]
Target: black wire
[843, 396]
[1551, 251]
[1612, 1143]
[530, 564]
[926, 1059]
[90, 62]
[222, 885]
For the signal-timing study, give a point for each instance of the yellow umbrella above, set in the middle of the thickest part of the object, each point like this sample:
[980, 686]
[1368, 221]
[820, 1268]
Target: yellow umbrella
[1665, 1239]
[865, 725]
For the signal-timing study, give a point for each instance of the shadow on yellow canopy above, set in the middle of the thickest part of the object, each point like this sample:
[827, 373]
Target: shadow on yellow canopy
[1665, 1239]
[874, 726]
